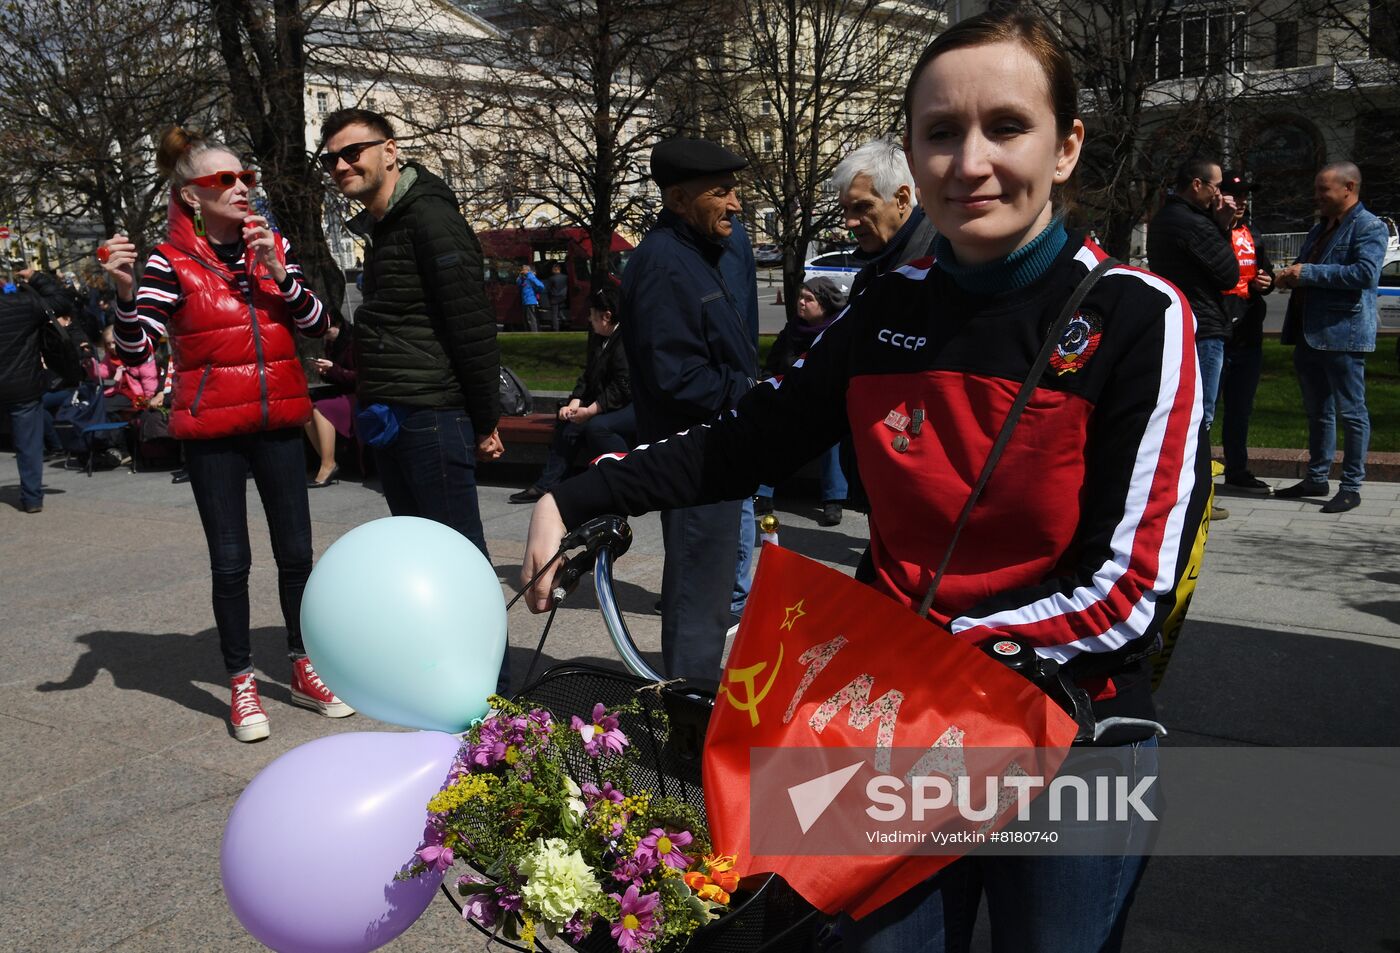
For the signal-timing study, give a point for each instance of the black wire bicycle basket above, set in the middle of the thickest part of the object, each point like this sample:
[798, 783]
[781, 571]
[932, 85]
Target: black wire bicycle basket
[668, 736]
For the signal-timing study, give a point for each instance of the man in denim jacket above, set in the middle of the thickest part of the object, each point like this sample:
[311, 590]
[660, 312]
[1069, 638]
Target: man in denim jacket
[1331, 321]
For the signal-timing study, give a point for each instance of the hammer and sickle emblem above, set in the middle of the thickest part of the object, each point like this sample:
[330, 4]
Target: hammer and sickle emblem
[746, 677]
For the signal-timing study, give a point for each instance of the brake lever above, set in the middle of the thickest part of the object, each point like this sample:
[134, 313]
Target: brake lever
[611, 532]
[567, 580]
[1049, 677]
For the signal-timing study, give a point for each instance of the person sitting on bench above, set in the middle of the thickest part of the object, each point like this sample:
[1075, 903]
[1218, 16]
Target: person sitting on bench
[599, 412]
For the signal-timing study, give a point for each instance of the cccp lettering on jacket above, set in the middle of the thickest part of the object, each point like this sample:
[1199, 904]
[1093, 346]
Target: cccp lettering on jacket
[908, 342]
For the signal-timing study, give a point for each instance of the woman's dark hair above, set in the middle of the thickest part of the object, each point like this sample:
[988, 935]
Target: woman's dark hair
[341, 118]
[605, 299]
[1030, 30]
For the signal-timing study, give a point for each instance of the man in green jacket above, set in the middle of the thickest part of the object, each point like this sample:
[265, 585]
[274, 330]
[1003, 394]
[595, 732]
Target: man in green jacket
[425, 336]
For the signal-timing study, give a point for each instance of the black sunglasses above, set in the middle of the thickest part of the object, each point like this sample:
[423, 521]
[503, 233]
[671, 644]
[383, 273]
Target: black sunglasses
[350, 153]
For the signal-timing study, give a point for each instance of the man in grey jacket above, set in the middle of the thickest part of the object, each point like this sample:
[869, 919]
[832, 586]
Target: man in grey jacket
[1331, 321]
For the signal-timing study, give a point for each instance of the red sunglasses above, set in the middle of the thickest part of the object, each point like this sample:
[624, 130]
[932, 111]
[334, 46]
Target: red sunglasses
[225, 180]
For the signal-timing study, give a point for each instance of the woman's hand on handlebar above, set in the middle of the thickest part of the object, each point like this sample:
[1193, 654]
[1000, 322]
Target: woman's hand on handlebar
[546, 533]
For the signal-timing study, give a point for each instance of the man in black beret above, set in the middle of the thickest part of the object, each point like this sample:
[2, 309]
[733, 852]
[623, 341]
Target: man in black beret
[689, 305]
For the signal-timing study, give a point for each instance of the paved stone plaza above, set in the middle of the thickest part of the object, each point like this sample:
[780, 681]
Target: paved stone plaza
[117, 770]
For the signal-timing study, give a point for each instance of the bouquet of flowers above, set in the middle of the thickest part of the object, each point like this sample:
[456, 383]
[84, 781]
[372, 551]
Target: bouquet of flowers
[551, 857]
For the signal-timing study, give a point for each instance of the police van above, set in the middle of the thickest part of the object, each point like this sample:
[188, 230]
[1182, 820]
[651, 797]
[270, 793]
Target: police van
[1389, 292]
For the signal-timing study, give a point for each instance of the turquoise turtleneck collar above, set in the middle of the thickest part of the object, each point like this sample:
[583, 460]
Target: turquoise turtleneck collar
[1015, 271]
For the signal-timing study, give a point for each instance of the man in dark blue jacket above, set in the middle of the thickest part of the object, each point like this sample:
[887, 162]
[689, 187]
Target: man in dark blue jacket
[22, 317]
[693, 355]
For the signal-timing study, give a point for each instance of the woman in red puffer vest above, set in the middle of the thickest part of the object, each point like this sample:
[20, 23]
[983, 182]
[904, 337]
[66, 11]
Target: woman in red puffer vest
[225, 290]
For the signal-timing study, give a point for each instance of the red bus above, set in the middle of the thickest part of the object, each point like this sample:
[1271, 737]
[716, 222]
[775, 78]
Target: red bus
[504, 250]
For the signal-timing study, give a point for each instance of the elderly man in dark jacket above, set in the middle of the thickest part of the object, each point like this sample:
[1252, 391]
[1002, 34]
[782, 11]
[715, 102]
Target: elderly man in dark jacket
[876, 193]
[22, 317]
[1188, 243]
[599, 413]
[425, 336]
[692, 356]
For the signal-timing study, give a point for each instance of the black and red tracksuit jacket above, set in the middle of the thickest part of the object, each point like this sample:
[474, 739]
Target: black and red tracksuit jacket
[1081, 536]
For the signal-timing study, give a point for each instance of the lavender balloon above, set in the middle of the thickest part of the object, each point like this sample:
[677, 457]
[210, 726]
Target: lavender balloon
[312, 845]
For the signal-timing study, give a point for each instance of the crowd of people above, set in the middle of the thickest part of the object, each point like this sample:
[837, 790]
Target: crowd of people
[1078, 539]
[1202, 242]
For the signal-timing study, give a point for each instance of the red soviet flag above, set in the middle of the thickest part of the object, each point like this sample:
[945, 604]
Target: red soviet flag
[824, 664]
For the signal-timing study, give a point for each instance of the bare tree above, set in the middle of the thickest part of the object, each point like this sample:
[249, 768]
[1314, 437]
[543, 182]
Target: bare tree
[264, 49]
[1163, 82]
[801, 83]
[578, 94]
[86, 86]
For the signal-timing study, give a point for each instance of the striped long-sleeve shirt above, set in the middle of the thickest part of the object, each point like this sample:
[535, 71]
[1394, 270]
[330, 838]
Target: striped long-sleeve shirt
[143, 322]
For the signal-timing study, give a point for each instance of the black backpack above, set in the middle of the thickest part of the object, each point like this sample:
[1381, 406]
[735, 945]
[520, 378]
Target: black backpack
[516, 399]
[57, 346]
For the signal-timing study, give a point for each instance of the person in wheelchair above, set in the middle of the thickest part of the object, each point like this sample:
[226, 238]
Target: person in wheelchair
[1081, 537]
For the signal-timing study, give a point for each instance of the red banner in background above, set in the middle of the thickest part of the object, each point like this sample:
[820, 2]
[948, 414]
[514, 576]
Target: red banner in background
[822, 661]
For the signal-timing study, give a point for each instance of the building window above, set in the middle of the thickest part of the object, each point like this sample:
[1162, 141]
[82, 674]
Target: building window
[323, 104]
[1200, 43]
[765, 107]
[767, 143]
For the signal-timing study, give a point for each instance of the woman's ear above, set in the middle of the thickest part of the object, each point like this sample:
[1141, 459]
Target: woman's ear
[1069, 151]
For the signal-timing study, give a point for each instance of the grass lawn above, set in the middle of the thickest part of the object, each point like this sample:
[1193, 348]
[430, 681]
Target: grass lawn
[553, 361]
[1278, 419]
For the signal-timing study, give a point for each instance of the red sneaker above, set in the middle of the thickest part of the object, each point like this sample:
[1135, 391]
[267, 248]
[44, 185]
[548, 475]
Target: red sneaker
[246, 711]
[309, 691]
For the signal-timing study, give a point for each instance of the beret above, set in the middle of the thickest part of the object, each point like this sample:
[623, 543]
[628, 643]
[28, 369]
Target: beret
[679, 160]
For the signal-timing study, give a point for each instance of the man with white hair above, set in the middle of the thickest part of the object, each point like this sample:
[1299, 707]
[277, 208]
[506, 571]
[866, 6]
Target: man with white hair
[876, 194]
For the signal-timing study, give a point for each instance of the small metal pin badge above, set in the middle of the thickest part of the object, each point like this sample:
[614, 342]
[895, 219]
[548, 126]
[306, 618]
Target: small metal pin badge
[900, 443]
[896, 421]
[917, 423]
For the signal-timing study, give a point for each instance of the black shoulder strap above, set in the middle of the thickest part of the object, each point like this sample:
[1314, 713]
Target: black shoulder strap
[1052, 337]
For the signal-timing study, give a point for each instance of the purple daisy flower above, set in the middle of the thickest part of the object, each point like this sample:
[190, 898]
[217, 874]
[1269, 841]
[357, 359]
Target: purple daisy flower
[480, 905]
[636, 923]
[633, 869]
[592, 793]
[576, 929]
[664, 848]
[437, 857]
[602, 735]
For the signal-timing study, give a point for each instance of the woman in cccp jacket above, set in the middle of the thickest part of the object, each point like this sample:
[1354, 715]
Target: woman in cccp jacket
[1078, 543]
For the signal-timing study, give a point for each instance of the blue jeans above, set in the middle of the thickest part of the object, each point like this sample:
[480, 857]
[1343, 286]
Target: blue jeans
[1046, 904]
[833, 478]
[1334, 385]
[218, 476]
[430, 471]
[1210, 352]
[612, 432]
[743, 569]
[27, 431]
[52, 401]
[1237, 388]
[697, 583]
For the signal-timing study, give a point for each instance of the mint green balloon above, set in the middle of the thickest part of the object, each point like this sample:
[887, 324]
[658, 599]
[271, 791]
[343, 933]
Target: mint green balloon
[403, 619]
